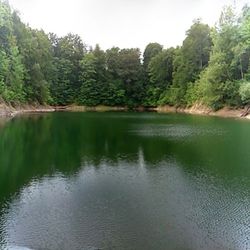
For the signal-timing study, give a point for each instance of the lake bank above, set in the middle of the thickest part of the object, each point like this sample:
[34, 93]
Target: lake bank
[195, 110]
[226, 112]
[9, 111]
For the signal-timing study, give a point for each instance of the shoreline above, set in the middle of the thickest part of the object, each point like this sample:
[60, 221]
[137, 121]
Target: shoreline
[225, 112]
[9, 111]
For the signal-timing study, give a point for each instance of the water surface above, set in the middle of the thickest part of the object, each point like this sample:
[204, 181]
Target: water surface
[124, 181]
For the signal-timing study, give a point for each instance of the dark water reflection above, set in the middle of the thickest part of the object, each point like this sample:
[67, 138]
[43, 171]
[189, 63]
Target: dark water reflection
[124, 181]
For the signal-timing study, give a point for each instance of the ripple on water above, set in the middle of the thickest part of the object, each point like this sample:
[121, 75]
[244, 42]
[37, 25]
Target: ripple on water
[108, 208]
[174, 131]
[120, 188]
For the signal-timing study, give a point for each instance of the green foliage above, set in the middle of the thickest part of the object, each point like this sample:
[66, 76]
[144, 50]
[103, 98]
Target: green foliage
[115, 94]
[231, 96]
[130, 72]
[211, 67]
[191, 59]
[245, 92]
[61, 86]
[245, 24]
[152, 49]
[192, 95]
[218, 83]
[11, 67]
[160, 71]
[170, 96]
[161, 67]
[89, 91]
[65, 80]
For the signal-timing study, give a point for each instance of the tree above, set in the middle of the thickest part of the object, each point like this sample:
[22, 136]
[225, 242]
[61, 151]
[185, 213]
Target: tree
[70, 50]
[215, 81]
[242, 49]
[245, 92]
[211, 67]
[152, 49]
[11, 68]
[89, 91]
[60, 88]
[191, 58]
[160, 70]
[116, 87]
[130, 72]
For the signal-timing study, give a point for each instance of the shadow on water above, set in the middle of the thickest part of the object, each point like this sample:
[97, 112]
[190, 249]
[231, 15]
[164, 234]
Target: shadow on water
[194, 169]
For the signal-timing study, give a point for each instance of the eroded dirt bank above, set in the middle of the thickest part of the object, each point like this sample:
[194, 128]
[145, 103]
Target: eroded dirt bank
[201, 110]
[9, 111]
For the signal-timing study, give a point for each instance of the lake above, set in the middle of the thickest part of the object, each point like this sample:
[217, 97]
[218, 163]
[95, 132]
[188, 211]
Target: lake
[124, 181]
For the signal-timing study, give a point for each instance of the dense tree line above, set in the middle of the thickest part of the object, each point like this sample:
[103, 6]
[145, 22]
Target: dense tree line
[211, 67]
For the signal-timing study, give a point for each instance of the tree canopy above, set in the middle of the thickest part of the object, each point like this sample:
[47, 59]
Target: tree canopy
[211, 67]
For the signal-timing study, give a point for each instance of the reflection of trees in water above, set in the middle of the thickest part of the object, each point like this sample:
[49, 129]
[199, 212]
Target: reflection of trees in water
[32, 147]
[38, 145]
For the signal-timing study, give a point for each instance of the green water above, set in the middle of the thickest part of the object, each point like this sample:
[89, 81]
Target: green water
[124, 181]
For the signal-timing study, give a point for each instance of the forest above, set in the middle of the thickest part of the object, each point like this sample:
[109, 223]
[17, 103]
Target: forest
[211, 67]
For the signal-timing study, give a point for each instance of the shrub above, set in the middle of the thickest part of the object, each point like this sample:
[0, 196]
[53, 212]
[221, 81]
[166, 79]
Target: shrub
[244, 92]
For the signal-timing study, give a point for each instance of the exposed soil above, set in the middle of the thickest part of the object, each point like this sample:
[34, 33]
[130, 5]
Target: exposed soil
[202, 110]
[9, 111]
